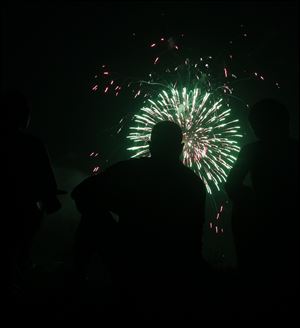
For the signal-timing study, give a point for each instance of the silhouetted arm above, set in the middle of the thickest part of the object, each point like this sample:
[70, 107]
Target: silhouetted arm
[85, 193]
[46, 180]
[97, 193]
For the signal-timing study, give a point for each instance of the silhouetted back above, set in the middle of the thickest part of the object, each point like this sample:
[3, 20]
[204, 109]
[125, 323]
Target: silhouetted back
[30, 188]
[264, 220]
[273, 168]
[161, 208]
[160, 204]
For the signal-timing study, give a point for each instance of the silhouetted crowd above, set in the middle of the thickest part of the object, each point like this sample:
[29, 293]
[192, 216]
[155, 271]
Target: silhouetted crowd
[145, 217]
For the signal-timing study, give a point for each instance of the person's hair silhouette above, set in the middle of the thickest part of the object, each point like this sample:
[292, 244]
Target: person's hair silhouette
[161, 205]
[166, 141]
[269, 119]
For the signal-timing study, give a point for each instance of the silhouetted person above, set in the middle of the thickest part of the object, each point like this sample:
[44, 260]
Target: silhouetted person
[265, 221]
[160, 204]
[31, 186]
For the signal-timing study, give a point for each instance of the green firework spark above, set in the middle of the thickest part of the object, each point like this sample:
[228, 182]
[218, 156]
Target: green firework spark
[210, 135]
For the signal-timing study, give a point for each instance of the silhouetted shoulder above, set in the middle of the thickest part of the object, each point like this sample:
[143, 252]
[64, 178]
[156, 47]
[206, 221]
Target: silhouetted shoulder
[28, 143]
[261, 150]
[133, 163]
[287, 143]
[191, 174]
[147, 164]
[30, 138]
[193, 177]
[248, 150]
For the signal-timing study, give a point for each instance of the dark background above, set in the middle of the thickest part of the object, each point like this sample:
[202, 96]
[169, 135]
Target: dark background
[51, 52]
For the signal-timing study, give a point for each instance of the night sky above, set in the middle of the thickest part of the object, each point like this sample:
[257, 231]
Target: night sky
[52, 52]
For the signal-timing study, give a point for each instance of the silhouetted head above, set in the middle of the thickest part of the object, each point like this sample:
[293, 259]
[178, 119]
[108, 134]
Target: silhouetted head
[16, 110]
[269, 119]
[166, 141]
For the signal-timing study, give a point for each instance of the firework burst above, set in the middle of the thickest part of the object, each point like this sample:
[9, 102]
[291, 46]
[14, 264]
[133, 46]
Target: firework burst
[192, 95]
[209, 135]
